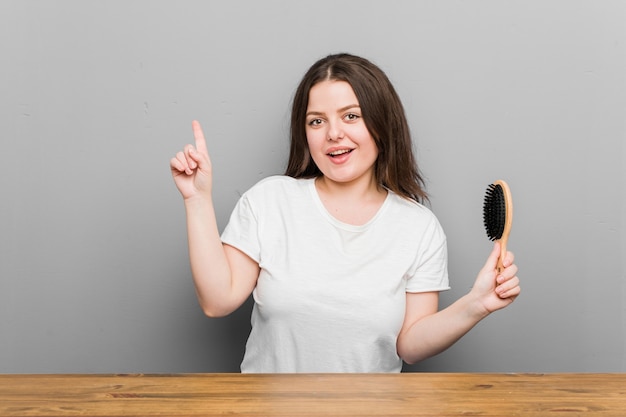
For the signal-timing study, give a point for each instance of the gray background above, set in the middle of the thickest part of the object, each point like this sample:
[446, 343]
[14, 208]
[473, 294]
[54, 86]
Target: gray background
[96, 96]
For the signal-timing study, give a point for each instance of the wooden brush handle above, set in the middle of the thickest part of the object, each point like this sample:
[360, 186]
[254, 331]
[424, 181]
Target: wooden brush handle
[508, 202]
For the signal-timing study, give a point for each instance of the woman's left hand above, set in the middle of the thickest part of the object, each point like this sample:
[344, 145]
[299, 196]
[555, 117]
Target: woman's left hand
[496, 291]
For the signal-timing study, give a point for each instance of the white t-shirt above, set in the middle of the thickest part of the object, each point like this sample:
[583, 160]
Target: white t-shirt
[330, 296]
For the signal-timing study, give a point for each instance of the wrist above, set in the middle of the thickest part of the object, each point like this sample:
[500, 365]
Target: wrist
[475, 307]
[198, 201]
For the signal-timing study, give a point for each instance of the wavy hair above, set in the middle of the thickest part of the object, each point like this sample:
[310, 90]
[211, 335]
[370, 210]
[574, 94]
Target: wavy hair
[396, 167]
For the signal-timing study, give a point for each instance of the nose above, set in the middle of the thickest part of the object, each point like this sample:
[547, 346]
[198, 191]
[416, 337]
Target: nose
[335, 132]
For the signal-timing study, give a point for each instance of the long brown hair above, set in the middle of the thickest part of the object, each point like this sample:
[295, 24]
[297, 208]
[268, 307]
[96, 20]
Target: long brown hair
[384, 117]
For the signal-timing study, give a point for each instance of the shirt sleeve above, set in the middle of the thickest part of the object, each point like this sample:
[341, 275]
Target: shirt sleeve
[429, 272]
[241, 231]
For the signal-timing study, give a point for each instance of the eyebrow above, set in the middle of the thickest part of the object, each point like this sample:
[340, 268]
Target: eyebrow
[348, 107]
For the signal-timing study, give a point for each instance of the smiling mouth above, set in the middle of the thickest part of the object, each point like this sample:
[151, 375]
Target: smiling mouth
[339, 152]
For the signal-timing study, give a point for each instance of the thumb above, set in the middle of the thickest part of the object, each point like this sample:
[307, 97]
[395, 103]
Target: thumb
[492, 260]
[201, 158]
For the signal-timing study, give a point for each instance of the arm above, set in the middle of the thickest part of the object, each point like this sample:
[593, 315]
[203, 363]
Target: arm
[426, 332]
[223, 276]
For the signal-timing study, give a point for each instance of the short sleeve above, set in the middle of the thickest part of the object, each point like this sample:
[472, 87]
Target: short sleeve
[429, 272]
[242, 229]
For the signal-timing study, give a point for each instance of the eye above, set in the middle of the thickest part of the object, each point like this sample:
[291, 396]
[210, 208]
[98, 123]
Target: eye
[351, 117]
[314, 122]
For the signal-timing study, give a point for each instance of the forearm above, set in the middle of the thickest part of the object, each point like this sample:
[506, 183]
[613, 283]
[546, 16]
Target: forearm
[209, 266]
[435, 333]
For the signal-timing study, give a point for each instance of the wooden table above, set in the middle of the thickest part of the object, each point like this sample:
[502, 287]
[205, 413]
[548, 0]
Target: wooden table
[293, 395]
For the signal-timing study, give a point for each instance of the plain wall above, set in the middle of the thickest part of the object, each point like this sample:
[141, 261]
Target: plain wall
[96, 96]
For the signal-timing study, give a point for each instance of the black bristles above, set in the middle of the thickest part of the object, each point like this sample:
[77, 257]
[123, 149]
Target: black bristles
[494, 211]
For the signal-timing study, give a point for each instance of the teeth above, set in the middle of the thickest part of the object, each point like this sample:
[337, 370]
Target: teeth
[339, 152]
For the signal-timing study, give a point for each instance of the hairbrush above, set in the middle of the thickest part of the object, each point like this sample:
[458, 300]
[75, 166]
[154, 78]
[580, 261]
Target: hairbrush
[498, 216]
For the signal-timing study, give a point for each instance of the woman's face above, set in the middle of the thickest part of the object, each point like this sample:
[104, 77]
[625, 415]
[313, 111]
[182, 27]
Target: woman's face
[339, 142]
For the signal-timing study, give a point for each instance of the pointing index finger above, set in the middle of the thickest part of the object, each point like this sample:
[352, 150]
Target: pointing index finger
[199, 137]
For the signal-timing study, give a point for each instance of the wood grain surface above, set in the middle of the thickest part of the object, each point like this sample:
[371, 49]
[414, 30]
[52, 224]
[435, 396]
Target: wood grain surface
[409, 394]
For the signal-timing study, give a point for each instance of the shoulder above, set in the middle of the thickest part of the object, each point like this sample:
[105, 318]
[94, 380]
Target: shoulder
[414, 216]
[410, 208]
[276, 186]
[275, 181]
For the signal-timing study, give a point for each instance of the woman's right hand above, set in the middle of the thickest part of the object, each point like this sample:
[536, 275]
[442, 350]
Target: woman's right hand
[191, 167]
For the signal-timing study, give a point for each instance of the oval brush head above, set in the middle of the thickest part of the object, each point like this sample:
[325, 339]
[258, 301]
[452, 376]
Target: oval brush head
[498, 215]
[494, 211]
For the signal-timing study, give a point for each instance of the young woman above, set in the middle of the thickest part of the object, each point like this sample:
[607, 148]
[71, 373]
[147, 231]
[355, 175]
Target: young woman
[344, 262]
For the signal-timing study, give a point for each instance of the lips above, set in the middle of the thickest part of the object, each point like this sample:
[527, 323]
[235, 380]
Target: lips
[339, 156]
[338, 152]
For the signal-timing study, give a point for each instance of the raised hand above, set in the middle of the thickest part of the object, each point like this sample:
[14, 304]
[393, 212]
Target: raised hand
[191, 167]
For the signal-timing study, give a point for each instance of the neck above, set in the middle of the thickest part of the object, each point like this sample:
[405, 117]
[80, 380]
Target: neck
[363, 189]
[352, 203]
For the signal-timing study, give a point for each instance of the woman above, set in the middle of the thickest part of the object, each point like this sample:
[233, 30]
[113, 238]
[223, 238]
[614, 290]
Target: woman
[344, 262]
